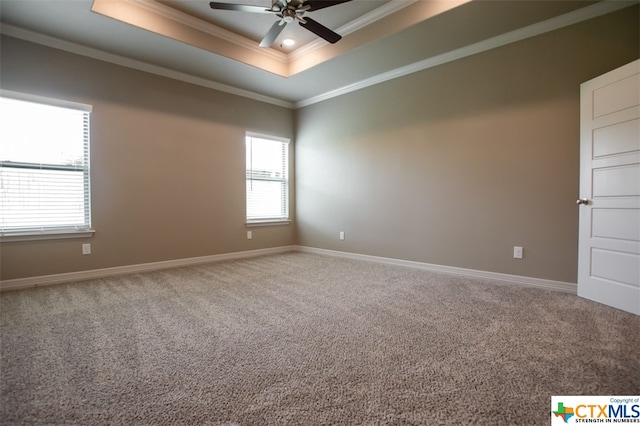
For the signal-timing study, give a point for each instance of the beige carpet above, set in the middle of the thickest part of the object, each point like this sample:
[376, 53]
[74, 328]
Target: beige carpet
[305, 339]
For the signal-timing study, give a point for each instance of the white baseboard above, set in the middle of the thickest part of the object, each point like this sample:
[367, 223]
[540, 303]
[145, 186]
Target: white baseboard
[20, 283]
[564, 287]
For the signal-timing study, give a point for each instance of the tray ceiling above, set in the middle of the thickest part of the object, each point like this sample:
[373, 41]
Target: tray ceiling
[382, 39]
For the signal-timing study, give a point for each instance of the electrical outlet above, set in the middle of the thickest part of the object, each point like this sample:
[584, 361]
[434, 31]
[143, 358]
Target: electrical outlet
[341, 235]
[86, 248]
[249, 235]
[517, 252]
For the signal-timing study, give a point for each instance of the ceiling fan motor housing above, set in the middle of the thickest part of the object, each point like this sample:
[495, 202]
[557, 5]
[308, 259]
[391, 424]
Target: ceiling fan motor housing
[281, 5]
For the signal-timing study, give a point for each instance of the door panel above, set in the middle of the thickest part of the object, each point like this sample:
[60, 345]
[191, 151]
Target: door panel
[619, 224]
[619, 138]
[609, 246]
[619, 267]
[615, 96]
[621, 181]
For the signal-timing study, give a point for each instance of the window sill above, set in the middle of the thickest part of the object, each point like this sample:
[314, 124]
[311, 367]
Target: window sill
[267, 223]
[46, 235]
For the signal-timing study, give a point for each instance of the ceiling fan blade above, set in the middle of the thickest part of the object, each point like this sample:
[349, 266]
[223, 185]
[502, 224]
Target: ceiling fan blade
[238, 7]
[320, 30]
[321, 4]
[273, 34]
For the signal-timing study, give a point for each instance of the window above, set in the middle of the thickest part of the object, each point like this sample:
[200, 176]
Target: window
[44, 167]
[267, 178]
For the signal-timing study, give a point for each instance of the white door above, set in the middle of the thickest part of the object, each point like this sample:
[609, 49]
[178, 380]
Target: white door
[609, 246]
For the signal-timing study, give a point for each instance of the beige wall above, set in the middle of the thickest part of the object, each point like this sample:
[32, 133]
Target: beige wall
[457, 164]
[453, 165]
[167, 164]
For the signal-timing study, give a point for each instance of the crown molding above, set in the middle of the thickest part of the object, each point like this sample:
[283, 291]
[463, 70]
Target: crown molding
[154, 16]
[101, 55]
[367, 19]
[159, 19]
[589, 12]
[244, 42]
[375, 15]
[208, 28]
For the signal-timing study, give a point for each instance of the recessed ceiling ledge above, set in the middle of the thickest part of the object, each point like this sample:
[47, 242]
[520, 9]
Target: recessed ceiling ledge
[160, 19]
[154, 16]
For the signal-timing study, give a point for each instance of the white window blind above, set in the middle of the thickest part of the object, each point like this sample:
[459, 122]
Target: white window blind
[267, 178]
[44, 165]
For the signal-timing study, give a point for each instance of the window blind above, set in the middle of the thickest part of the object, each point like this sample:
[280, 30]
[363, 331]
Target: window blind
[44, 165]
[267, 189]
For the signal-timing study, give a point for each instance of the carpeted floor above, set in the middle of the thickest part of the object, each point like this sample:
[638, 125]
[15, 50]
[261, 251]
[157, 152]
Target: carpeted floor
[305, 339]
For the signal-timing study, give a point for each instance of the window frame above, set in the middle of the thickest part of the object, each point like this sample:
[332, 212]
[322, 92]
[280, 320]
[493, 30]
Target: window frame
[53, 232]
[267, 221]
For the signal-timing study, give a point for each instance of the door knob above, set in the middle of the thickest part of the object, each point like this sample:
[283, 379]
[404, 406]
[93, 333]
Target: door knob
[582, 201]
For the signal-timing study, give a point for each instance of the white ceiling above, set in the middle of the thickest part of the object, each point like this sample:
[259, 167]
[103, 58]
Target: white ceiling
[382, 39]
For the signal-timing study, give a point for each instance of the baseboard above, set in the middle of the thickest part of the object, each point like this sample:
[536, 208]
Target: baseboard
[20, 283]
[564, 287]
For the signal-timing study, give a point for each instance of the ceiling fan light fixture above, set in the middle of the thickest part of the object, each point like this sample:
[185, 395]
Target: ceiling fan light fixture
[288, 42]
[288, 16]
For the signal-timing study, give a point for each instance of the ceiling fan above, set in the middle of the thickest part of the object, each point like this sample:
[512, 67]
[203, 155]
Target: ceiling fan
[288, 11]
